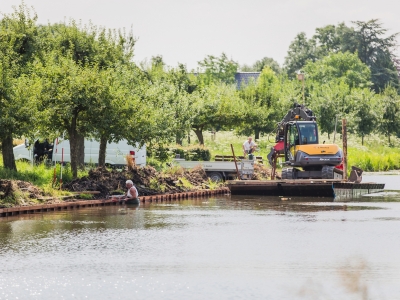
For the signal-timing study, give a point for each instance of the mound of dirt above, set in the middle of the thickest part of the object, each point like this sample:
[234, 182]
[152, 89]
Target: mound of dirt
[146, 179]
[17, 192]
[261, 172]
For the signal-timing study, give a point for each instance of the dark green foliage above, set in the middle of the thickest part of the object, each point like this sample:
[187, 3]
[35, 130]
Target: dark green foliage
[163, 154]
[193, 153]
[368, 40]
[376, 51]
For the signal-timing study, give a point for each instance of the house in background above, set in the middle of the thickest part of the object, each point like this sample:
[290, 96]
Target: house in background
[243, 78]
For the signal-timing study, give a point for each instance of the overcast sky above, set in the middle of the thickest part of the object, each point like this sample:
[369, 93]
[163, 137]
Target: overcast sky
[186, 31]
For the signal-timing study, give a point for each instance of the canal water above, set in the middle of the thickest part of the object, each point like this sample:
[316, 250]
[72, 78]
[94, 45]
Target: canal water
[223, 247]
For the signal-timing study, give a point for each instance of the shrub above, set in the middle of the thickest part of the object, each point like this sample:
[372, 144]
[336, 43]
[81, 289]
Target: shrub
[193, 153]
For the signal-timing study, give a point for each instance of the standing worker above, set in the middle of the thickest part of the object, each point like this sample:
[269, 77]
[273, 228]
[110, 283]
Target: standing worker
[249, 146]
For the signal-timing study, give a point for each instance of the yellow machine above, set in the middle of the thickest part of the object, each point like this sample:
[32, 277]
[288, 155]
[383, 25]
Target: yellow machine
[298, 142]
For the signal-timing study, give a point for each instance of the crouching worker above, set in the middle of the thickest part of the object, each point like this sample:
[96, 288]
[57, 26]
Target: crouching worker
[131, 196]
[249, 146]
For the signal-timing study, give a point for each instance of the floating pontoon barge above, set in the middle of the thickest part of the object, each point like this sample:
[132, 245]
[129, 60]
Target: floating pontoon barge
[304, 188]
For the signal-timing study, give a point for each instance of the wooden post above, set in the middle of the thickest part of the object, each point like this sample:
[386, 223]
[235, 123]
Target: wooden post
[273, 171]
[344, 138]
[234, 158]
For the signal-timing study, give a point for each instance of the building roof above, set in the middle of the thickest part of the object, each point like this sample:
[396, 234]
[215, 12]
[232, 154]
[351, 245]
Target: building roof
[243, 78]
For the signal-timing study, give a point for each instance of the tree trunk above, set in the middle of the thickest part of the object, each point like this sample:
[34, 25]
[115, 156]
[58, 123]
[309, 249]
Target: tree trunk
[102, 151]
[362, 140]
[81, 151]
[199, 133]
[8, 153]
[257, 134]
[73, 154]
[74, 146]
[178, 139]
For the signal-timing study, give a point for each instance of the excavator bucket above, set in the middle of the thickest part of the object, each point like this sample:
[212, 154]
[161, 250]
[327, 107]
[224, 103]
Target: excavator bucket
[355, 175]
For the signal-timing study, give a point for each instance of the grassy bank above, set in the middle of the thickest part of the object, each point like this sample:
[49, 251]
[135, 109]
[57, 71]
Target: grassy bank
[375, 155]
[39, 175]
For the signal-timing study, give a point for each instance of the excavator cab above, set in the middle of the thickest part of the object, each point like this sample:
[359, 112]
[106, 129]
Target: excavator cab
[299, 133]
[308, 133]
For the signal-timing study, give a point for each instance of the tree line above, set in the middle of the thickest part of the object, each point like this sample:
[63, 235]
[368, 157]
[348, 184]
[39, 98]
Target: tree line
[80, 81]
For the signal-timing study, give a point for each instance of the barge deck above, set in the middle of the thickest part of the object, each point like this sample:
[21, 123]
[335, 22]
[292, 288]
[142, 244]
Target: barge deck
[304, 188]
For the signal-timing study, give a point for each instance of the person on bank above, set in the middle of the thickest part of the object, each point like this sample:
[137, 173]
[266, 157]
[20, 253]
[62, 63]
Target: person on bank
[131, 194]
[249, 146]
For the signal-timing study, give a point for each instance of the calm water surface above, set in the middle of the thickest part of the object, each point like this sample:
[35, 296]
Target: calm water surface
[224, 247]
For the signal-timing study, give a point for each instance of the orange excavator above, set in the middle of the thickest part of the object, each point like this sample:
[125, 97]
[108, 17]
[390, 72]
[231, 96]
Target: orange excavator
[297, 141]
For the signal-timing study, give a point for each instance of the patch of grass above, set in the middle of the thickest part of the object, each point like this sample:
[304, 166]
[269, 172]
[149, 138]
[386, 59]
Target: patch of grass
[40, 175]
[155, 185]
[159, 166]
[375, 159]
[184, 183]
[175, 171]
[212, 185]
[85, 196]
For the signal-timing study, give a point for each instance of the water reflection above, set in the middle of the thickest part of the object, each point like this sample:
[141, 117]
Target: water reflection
[218, 247]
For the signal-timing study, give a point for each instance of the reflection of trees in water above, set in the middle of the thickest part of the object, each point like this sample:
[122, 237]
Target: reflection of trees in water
[289, 204]
[5, 235]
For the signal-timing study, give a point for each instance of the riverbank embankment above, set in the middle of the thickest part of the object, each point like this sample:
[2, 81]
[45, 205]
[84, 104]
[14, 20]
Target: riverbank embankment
[77, 204]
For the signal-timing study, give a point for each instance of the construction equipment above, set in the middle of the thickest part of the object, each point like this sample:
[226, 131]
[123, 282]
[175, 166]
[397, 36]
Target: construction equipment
[304, 157]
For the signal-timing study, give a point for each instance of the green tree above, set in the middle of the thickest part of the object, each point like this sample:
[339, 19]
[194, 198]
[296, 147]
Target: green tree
[377, 52]
[70, 93]
[93, 49]
[389, 111]
[259, 98]
[339, 66]
[259, 65]
[368, 40]
[218, 69]
[178, 86]
[333, 39]
[363, 117]
[88, 44]
[185, 84]
[106, 121]
[301, 50]
[18, 88]
[329, 101]
[215, 106]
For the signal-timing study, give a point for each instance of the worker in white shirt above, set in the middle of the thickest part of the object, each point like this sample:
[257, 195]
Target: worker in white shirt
[249, 146]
